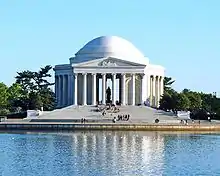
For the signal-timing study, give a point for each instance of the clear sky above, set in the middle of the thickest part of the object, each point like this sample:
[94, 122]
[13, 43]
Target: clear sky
[181, 35]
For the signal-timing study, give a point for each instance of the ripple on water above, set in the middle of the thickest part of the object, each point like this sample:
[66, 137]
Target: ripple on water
[109, 153]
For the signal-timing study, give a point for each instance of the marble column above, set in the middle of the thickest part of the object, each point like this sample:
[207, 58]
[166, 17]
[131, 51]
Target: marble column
[56, 88]
[97, 88]
[148, 89]
[84, 89]
[60, 91]
[119, 86]
[104, 88]
[69, 89]
[94, 89]
[75, 89]
[113, 88]
[133, 89]
[123, 78]
[142, 76]
[158, 91]
[153, 91]
[64, 91]
[161, 85]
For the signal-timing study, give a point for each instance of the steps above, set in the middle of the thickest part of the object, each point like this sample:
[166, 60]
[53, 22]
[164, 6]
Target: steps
[137, 114]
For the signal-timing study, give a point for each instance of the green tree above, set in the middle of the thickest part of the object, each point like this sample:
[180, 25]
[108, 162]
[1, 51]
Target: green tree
[215, 104]
[206, 101]
[197, 102]
[14, 97]
[174, 101]
[168, 81]
[41, 78]
[3, 96]
[36, 89]
[35, 101]
[34, 81]
[14, 91]
[182, 102]
[48, 99]
[168, 101]
[25, 79]
[194, 98]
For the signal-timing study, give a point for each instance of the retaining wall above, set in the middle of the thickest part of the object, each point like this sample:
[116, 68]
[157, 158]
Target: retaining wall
[98, 126]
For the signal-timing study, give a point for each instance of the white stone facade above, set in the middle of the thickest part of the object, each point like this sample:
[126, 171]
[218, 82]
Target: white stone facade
[108, 57]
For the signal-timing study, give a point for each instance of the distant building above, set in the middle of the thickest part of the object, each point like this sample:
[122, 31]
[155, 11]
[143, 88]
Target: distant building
[108, 57]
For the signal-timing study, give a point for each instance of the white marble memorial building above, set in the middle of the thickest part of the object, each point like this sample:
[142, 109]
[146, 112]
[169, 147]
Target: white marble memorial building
[84, 80]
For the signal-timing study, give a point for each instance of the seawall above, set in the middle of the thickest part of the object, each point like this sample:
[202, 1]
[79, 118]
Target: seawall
[28, 126]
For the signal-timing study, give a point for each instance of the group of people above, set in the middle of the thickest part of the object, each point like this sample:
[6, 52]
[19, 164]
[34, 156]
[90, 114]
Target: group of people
[185, 122]
[112, 108]
[83, 120]
[121, 117]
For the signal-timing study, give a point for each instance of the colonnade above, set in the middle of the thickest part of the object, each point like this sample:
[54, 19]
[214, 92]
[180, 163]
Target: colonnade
[95, 88]
[156, 89]
[63, 90]
[83, 88]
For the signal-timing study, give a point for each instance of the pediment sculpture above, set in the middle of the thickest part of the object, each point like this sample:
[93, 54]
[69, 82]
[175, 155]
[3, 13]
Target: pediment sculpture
[108, 63]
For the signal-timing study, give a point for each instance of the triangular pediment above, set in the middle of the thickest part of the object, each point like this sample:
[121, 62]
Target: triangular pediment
[109, 62]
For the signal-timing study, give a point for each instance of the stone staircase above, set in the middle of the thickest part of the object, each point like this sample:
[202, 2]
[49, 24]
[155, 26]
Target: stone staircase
[137, 114]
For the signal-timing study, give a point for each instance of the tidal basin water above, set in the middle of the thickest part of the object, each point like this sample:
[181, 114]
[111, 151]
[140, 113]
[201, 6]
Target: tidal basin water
[109, 153]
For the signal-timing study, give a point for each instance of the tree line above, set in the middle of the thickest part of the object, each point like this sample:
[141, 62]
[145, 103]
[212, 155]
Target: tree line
[198, 103]
[31, 90]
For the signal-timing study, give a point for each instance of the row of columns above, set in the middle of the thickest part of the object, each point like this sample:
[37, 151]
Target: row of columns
[156, 89]
[123, 79]
[64, 89]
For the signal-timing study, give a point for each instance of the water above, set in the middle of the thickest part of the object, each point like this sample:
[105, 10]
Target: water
[109, 153]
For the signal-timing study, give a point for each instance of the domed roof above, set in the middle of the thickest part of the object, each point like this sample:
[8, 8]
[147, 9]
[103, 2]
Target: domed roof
[111, 46]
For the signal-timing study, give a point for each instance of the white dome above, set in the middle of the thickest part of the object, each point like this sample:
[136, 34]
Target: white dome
[111, 46]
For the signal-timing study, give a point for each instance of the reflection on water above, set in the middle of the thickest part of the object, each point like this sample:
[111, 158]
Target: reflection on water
[109, 153]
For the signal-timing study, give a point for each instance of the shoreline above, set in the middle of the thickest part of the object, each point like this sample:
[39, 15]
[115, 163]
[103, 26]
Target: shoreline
[54, 126]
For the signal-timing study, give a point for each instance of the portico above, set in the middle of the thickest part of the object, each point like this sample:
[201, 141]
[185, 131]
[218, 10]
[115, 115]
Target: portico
[95, 78]
[84, 80]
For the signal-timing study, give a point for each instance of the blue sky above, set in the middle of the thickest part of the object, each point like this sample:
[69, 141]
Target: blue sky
[181, 35]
